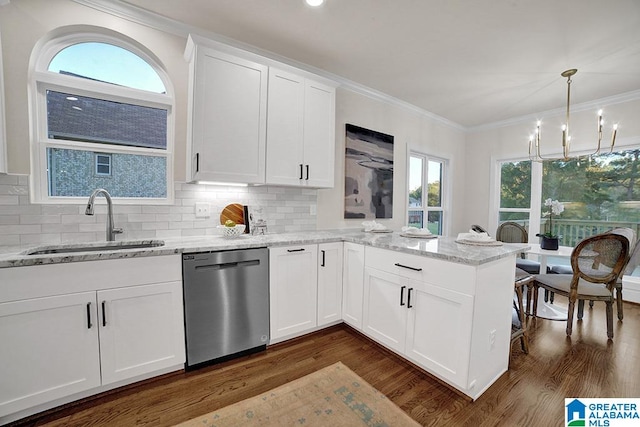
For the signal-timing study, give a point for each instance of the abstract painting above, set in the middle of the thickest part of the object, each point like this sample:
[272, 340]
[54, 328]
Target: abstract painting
[368, 185]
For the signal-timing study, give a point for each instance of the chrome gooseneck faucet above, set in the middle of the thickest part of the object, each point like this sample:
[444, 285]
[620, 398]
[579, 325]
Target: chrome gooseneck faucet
[111, 230]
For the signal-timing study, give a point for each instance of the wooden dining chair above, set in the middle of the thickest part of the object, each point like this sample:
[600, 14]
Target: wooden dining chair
[632, 262]
[597, 262]
[512, 232]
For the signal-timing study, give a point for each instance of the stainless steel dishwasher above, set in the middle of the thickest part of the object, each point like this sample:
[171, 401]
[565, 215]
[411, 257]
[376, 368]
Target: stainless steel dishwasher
[226, 303]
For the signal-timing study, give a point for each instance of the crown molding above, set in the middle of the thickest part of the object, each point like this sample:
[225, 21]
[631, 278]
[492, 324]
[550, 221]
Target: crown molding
[584, 106]
[144, 17]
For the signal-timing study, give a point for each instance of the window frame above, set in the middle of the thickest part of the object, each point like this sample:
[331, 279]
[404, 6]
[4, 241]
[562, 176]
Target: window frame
[444, 188]
[42, 80]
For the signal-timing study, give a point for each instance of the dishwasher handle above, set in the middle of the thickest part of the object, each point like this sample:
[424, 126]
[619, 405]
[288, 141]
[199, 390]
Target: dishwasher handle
[224, 265]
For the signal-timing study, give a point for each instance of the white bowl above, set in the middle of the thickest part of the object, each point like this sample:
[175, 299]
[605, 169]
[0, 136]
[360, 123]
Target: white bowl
[235, 231]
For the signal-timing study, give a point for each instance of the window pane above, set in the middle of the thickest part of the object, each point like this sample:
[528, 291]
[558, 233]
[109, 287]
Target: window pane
[521, 218]
[434, 198]
[415, 218]
[415, 182]
[515, 185]
[434, 222]
[71, 174]
[107, 63]
[598, 194]
[80, 118]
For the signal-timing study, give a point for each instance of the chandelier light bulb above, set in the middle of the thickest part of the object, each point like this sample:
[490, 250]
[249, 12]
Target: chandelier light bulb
[314, 3]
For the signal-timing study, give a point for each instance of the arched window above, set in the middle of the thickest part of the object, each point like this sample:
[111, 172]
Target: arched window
[102, 116]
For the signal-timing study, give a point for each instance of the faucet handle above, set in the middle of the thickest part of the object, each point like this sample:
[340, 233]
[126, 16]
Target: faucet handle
[118, 230]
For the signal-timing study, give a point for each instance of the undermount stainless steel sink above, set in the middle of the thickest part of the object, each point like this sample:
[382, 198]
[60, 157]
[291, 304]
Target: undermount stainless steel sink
[94, 247]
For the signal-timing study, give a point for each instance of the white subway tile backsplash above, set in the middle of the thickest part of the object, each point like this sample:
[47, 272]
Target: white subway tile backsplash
[9, 199]
[23, 223]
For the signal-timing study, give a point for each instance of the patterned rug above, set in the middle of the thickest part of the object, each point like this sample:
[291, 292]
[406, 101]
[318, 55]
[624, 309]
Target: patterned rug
[332, 396]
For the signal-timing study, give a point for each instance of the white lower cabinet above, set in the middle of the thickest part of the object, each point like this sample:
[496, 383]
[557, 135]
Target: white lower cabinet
[140, 330]
[305, 288]
[427, 324]
[451, 319]
[49, 349]
[352, 284]
[60, 343]
[293, 284]
[439, 331]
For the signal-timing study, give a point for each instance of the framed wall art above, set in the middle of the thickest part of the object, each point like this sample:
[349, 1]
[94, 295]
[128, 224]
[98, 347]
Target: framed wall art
[368, 186]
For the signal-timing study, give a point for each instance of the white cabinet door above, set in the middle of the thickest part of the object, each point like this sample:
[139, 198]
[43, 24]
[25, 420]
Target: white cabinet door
[300, 131]
[319, 134]
[228, 118]
[439, 331]
[352, 284]
[285, 121]
[141, 330]
[329, 282]
[385, 308]
[48, 349]
[293, 287]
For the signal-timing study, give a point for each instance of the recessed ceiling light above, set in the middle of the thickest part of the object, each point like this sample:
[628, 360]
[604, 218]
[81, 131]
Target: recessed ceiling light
[314, 3]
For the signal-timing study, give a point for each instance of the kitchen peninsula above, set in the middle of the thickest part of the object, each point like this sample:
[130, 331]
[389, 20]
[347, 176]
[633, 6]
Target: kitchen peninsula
[444, 306]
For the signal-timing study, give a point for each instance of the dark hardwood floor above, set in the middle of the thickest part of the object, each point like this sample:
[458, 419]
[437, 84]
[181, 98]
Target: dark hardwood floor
[531, 393]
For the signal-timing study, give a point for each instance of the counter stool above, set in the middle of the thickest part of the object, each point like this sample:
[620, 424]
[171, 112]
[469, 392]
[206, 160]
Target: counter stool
[522, 279]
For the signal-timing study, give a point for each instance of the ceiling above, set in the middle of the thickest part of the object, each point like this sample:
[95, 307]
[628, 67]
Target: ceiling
[471, 62]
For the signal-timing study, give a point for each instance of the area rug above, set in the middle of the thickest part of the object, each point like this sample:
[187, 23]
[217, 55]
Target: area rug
[332, 396]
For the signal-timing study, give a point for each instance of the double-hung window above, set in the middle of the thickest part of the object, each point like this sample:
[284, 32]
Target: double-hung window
[427, 208]
[102, 119]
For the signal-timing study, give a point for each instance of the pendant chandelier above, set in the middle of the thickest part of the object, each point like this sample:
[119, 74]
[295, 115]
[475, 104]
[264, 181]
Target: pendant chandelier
[534, 140]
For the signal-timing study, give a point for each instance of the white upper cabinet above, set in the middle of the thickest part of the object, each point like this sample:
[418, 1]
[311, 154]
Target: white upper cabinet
[254, 120]
[300, 131]
[227, 117]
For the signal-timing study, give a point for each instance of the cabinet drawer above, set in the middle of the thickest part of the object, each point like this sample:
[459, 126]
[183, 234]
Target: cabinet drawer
[449, 275]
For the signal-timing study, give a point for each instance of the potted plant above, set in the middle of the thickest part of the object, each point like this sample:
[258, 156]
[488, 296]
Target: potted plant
[549, 240]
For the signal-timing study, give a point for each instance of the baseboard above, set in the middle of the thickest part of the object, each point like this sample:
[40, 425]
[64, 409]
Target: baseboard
[631, 289]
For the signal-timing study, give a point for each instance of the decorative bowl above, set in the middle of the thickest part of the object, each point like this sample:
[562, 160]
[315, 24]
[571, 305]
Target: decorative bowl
[235, 231]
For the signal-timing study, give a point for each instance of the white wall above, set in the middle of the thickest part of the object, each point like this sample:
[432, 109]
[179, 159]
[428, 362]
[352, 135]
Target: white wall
[483, 148]
[411, 131]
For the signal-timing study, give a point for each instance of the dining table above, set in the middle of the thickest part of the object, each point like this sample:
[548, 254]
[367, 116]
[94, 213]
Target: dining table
[548, 310]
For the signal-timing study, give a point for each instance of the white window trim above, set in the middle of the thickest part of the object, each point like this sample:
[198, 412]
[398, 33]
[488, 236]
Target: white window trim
[42, 80]
[444, 186]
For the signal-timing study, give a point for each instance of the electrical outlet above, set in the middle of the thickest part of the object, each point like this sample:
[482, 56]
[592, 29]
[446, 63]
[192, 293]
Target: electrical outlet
[492, 339]
[203, 210]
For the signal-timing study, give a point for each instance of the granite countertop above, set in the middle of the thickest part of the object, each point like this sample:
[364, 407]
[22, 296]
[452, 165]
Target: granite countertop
[444, 248]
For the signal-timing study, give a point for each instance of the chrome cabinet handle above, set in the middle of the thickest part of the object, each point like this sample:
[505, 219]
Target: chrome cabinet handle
[397, 264]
